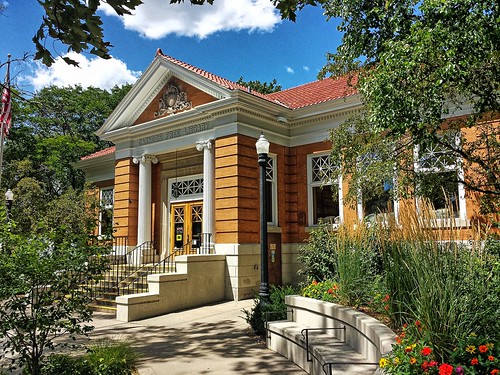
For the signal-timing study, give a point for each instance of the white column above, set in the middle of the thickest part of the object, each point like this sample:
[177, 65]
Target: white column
[144, 204]
[208, 195]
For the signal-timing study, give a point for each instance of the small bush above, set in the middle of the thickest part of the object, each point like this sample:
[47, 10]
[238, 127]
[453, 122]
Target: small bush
[274, 310]
[108, 357]
[318, 256]
[105, 357]
[63, 364]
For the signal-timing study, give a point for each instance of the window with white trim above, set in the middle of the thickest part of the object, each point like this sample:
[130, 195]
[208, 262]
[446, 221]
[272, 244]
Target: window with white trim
[324, 193]
[106, 199]
[271, 191]
[438, 177]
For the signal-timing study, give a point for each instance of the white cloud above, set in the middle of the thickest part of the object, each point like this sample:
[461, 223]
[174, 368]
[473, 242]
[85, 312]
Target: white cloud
[95, 72]
[155, 19]
[306, 68]
[290, 70]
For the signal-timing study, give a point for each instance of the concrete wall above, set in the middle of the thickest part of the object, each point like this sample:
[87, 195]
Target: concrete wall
[364, 333]
[199, 280]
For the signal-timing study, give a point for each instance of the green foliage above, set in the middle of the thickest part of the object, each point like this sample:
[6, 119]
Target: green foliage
[275, 309]
[263, 88]
[356, 264]
[318, 256]
[44, 273]
[77, 25]
[477, 355]
[62, 364]
[53, 131]
[111, 358]
[348, 257]
[413, 355]
[105, 357]
[326, 290]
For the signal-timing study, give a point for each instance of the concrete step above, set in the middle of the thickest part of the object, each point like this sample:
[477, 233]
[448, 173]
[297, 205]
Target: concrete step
[328, 353]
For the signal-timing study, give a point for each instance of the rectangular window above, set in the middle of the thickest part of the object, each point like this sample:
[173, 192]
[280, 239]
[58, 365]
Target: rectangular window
[106, 211]
[438, 177]
[325, 193]
[381, 203]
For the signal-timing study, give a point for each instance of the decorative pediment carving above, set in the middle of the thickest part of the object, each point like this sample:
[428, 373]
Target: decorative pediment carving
[172, 101]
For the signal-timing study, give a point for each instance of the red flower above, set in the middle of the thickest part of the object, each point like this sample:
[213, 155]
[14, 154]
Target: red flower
[445, 369]
[426, 351]
[483, 348]
[417, 323]
[314, 282]
[433, 364]
[330, 291]
[386, 298]
[474, 361]
[491, 358]
[425, 366]
[495, 372]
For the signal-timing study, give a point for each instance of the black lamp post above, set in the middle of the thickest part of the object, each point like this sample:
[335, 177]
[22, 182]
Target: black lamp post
[262, 146]
[9, 198]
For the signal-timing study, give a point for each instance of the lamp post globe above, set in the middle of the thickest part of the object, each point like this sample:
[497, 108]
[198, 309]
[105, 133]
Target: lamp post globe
[262, 146]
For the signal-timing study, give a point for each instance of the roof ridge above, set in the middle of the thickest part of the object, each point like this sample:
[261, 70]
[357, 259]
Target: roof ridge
[227, 83]
[200, 71]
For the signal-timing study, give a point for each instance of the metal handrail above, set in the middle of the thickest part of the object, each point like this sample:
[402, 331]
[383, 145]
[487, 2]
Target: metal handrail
[305, 335]
[128, 272]
[163, 266]
[121, 266]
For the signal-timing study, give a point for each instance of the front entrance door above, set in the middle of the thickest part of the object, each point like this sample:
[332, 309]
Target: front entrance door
[186, 227]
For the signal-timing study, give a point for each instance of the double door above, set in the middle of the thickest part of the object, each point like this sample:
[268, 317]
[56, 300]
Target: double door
[186, 227]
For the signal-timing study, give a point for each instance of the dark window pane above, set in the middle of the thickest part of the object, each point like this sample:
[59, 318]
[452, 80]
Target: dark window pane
[440, 188]
[325, 203]
[269, 203]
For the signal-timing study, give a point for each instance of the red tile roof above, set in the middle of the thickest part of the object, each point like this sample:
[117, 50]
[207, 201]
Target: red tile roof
[314, 92]
[293, 98]
[212, 77]
[106, 151]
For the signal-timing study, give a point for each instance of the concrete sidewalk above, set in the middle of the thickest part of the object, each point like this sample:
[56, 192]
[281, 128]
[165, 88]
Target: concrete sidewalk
[206, 340]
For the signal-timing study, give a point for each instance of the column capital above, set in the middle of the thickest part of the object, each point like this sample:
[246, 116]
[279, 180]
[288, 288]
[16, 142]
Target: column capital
[201, 145]
[145, 158]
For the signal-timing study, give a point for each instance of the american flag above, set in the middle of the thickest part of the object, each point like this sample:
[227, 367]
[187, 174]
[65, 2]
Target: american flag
[6, 113]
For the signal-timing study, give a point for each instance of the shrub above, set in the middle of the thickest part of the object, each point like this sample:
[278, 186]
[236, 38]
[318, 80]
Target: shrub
[274, 310]
[107, 357]
[63, 364]
[318, 256]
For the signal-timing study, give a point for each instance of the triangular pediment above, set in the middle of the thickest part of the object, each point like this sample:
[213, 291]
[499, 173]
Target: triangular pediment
[176, 96]
[183, 88]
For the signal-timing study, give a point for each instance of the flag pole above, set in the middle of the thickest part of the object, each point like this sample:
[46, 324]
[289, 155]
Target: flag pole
[4, 124]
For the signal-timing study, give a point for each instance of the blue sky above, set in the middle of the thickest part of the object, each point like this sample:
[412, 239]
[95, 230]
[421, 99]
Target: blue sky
[233, 38]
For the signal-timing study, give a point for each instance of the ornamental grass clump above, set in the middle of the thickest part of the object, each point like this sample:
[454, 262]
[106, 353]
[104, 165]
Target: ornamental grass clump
[358, 264]
[439, 277]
